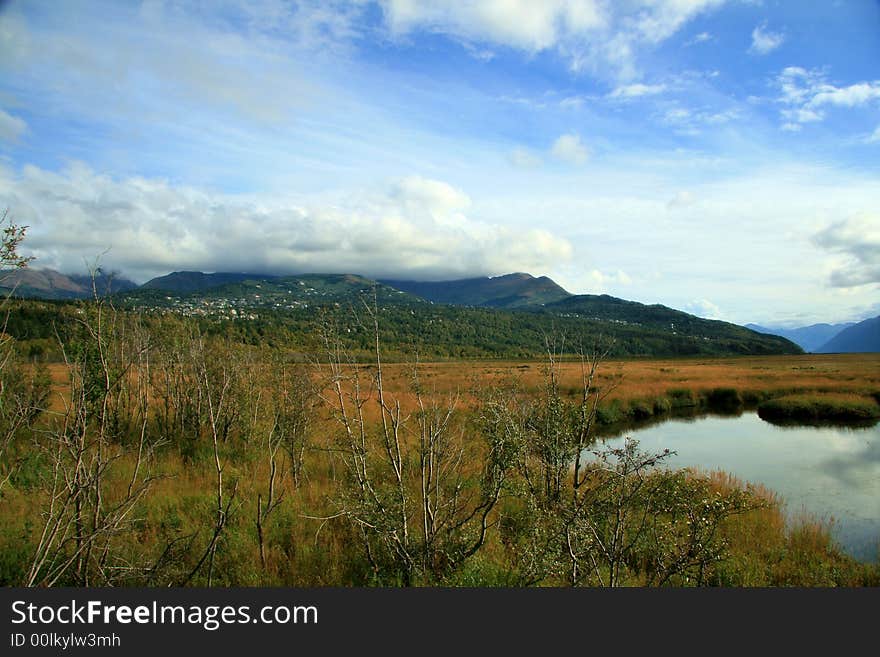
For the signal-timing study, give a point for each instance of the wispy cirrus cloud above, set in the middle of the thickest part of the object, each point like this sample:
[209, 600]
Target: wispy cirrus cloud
[702, 37]
[636, 90]
[807, 94]
[693, 121]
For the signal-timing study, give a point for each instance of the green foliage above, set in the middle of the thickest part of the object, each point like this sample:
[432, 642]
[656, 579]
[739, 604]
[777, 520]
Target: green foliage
[814, 408]
[509, 291]
[724, 400]
[409, 324]
[682, 398]
[15, 552]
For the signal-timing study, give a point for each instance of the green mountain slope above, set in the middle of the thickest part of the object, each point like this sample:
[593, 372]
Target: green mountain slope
[666, 321]
[276, 292]
[289, 307]
[32, 283]
[286, 311]
[196, 281]
[509, 291]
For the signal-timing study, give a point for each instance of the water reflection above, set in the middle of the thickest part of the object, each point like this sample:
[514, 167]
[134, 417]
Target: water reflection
[827, 472]
[854, 467]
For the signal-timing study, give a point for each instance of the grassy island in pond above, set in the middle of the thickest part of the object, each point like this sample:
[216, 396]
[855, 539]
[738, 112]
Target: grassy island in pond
[818, 407]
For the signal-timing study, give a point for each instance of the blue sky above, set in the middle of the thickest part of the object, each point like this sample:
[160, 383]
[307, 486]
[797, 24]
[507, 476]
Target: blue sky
[718, 156]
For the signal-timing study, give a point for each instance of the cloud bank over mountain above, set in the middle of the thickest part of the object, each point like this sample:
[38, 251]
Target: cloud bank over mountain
[413, 227]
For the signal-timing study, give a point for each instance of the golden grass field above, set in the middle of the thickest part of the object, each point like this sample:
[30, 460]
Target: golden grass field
[302, 551]
[855, 374]
[851, 374]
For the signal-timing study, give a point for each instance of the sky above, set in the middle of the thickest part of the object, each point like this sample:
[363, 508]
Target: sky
[717, 156]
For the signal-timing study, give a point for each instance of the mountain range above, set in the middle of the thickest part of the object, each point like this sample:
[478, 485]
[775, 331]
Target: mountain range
[809, 338]
[50, 284]
[863, 337]
[501, 315]
[512, 310]
[849, 337]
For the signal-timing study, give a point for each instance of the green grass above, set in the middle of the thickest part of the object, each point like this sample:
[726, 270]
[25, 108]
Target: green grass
[819, 407]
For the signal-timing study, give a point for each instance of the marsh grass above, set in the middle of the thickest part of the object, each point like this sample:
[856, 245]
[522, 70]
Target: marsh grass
[171, 526]
[819, 406]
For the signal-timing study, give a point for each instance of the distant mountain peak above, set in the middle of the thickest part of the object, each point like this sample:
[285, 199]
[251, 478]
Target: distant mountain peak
[195, 281]
[519, 275]
[47, 283]
[863, 337]
[810, 338]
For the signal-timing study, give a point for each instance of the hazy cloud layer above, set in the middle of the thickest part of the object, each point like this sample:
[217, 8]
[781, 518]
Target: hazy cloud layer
[11, 127]
[416, 227]
[857, 241]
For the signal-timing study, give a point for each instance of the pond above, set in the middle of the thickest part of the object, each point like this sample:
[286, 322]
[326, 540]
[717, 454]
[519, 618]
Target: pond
[831, 473]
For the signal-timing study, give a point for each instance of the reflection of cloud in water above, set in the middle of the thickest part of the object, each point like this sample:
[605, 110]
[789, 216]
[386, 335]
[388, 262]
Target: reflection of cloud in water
[826, 472]
[854, 466]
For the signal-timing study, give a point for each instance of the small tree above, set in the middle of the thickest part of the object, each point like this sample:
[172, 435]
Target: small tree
[420, 508]
[84, 517]
[12, 237]
[22, 393]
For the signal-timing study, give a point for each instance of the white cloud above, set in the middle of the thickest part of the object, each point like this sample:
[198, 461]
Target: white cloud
[802, 115]
[874, 137]
[855, 94]
[702, 37]
[416, 228]
[590, 34]
[593, 281]
[569, 148]
[600, 281]
[856, 241]
[704, 308]
[11, 127]
[658, 20]
[764, 41]
[687, 121]
[807, 92]
[169, 55]
[440, 198]
[637, 90]
[522, 24]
